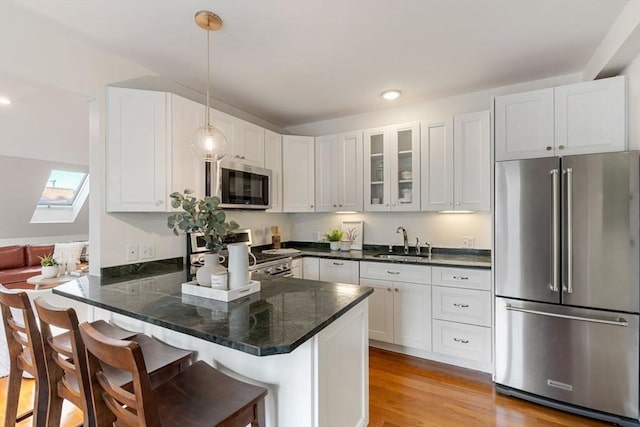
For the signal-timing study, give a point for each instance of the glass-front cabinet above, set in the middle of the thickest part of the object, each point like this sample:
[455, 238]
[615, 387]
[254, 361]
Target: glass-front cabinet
[392, 168]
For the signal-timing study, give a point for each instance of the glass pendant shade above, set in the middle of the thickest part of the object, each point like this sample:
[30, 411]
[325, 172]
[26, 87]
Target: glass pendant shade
[209, 143]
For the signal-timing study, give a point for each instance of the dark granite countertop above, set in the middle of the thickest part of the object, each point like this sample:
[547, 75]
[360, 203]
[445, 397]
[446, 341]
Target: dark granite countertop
[283, 315]
[441, 257]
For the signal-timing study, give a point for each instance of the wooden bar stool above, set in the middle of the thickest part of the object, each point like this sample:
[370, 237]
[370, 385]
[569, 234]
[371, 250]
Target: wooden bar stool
[67, 363]
[25, 354]
[198, 396]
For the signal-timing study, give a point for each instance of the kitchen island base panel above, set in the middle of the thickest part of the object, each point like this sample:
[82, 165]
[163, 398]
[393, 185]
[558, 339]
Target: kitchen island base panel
[323, 380]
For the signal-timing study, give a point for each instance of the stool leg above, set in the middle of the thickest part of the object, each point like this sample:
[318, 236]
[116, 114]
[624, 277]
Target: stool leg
[40, 404]
[260, 414]
[54, 413]
[13, 395]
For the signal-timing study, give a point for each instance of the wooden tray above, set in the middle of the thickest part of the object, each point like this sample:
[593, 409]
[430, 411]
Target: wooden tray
[192, 288]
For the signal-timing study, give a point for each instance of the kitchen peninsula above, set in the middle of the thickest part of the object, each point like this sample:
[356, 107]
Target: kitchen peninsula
[306, 341]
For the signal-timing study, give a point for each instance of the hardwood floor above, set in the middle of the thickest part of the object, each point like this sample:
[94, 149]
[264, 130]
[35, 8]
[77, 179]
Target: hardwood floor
[406, 392]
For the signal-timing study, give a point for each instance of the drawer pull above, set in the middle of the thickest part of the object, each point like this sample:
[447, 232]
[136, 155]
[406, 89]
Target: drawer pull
[460, 278]
[338, 263]
[460, 340]
[455, 304]
[393, 272]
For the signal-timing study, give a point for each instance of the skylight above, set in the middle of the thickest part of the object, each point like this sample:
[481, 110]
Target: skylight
[63, 196]
[62, 188]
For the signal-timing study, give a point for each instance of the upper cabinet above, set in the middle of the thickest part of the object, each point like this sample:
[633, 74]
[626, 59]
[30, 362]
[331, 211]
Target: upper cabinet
[392, 168]
[248, 143]
[273, 161]
[456, 164]
[298, 173]
[147, 151]
[338, 169]
[580, 118]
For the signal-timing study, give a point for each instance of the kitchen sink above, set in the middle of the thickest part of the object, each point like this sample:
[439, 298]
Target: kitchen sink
[399, 257]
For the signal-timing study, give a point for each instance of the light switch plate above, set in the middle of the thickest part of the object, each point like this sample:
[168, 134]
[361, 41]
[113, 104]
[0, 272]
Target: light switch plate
[468, 242]
[132, 252]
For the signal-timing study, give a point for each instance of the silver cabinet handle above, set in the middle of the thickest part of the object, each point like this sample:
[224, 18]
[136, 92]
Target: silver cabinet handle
[460, 277]
[560, 147]
[388, 289]
[338, 263]
[397, 290]
[548, 148]
[393, 272]
[455, 304]
[335, 206]
[618, 321]
[569, 173]
[460, 340]
[555, 239]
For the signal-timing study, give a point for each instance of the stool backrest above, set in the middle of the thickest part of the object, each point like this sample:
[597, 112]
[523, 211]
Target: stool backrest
[109, 399]
[65, 358]
[25, 354]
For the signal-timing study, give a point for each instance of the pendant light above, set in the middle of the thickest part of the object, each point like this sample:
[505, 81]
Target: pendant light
[208, 143]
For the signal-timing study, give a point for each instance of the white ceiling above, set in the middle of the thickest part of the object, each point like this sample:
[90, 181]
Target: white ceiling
[298, 61]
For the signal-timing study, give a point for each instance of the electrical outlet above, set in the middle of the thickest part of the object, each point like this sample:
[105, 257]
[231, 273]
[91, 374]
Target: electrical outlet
[147, 251]
[468, 242]
[132, 252]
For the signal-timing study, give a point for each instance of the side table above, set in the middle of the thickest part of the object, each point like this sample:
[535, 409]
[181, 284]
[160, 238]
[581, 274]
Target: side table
[40, 282]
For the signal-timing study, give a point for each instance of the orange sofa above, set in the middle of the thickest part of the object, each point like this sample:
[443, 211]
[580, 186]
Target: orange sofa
[18, 263]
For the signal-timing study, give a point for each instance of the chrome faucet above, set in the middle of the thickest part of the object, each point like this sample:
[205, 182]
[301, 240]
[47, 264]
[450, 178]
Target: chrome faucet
[417, 246]
[404, 237]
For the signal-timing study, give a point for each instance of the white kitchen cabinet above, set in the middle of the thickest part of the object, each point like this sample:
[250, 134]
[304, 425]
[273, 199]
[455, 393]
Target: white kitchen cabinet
[462, 316]
[399, 312]
[273, 161]
[247, 145]
[472, 161]
[297, 268]
[298, 173]
[581, 118]
[311, 268]
[456, 164]
[148, 152]
[392, 168]
[340, 271]
[338, 168]
[225, 124]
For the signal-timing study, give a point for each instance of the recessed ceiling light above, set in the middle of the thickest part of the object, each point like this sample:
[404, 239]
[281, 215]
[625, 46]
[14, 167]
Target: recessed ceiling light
[391, 94]
[5, 101]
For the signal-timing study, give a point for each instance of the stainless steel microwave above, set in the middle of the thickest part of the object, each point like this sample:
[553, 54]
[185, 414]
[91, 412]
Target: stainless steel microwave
[242, 186]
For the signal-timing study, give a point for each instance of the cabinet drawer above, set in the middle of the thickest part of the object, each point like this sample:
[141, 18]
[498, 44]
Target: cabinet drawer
[396, 272]
[464, 341]
[462, 278]
[462, 305]
[338, 270]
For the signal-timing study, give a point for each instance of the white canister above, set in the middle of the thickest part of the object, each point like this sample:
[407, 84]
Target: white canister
[239, 264]
[219, 281]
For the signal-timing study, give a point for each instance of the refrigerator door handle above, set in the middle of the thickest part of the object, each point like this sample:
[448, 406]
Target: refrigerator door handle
[618, 321]
[569, 285]
[555, 240]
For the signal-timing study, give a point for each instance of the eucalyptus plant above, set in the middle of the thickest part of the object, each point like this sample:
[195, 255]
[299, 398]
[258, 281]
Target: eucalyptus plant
[200, 216]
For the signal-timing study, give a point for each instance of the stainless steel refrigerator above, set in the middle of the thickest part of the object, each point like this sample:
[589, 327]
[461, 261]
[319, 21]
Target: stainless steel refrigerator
[567, 260]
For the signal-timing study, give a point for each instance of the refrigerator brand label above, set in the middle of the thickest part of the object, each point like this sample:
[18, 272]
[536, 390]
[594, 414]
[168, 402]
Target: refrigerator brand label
[556, 384]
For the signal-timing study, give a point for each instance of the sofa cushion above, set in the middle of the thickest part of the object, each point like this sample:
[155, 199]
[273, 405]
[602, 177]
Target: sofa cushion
[13, 275]
[35, 252]
[12, 257]
[68, 252]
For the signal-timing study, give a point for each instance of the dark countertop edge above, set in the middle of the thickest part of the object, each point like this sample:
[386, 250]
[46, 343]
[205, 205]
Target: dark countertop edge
[480, 265]
[253, 350]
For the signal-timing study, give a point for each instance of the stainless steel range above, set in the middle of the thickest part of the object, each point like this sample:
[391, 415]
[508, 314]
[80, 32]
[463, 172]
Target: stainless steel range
[266, 264]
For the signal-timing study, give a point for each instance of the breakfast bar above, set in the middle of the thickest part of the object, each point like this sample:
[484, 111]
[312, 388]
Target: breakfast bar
[306, 341]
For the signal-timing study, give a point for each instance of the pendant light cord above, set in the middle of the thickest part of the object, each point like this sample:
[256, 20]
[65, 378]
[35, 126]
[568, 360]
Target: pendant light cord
[208, 73]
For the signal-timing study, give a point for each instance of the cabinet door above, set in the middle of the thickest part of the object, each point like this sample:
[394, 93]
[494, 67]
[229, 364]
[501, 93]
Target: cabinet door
[591, 117]
[396, 272]
[311, 268]
[296, 268]
[404, 153]
[326, 173]
[376, 170]
[524, 126]
[436, 170]
[412, 315]
[348, 151]
[298, 173]
[248, 143]
[224, 123]
[380, 309]
[273, 161]
[187, 170]
[340, 271]
[472, 161]
[138, 151]
[462, 305]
